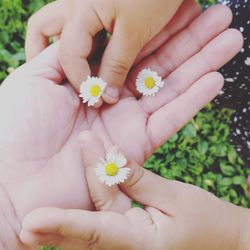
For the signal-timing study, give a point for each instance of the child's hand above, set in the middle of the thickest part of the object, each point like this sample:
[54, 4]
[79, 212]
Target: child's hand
[176, 215]
[77, 22]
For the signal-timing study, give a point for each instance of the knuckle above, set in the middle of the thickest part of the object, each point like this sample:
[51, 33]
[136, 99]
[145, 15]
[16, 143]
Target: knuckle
[135, 177]
[94, 238]
[117, 67]
[102, 204]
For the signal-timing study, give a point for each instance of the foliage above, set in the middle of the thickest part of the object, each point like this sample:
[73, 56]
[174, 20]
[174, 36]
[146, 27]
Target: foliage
[49, 248]
[207, 2]
[14, 15]
[201, 154]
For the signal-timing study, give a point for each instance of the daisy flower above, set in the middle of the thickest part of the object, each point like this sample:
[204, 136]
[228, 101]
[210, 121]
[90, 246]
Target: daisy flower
[148, 82]
[91, 90]
[112, 170]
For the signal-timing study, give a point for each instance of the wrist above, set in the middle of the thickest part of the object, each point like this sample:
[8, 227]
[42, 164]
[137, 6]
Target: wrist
[9, 224]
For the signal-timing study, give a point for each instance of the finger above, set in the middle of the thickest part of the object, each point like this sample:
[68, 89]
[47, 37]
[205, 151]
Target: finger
[147, 188]
[46, 65]
[117, 60]
[173, 116]
[104, 197]
[76, 45]
[214, 55]
[37, 240]
[186, 43]
[188, 11]
[142, 185]
[98, 104]
[47, 22]
[105, 229]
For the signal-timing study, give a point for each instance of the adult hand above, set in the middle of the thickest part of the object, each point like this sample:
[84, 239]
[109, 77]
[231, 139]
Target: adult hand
[176, 216]
[40, 119]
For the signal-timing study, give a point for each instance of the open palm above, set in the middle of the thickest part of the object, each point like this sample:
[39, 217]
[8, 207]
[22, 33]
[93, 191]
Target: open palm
[40, 162]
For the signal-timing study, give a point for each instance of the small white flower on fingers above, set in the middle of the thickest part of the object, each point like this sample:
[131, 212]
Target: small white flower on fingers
[91, 90]
[148, 82]
[112, 170]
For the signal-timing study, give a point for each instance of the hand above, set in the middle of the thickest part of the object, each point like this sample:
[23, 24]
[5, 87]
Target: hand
[39, 149]
[176, 216]
[133, 24]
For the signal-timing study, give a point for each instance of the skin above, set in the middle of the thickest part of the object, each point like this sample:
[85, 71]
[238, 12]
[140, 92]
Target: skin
[176, 216]
[41, 118]
[132, 24]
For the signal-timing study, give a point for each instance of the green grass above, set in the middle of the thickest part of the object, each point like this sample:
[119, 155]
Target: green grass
[200, 154]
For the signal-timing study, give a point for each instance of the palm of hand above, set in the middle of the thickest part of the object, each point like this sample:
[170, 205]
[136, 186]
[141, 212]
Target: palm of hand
[40, 162]
[39, 149]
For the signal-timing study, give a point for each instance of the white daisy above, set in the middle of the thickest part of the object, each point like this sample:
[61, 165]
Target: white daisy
[148, 82]
[112, 170]
[91, 90]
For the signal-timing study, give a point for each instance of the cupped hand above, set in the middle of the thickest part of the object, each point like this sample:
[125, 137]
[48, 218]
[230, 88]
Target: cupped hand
[175, 216]
[40, 163]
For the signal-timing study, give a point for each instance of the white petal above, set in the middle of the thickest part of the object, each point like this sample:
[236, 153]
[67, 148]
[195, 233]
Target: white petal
[125, 172]
[85, 90]
[100, 170]
[92, 101]
[110, 157]
[121, 161]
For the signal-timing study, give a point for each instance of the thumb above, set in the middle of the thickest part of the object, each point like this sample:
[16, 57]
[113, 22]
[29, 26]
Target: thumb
[142, 186]
[103, 230]
[103, 197]
[117, 60]
[152, 190]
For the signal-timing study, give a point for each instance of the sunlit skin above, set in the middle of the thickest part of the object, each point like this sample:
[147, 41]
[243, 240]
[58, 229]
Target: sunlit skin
[40, 162]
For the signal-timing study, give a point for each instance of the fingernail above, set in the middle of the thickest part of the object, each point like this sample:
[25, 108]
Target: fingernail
[112, 92]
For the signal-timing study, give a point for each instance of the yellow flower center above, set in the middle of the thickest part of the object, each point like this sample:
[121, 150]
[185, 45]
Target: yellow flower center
[150, 82]
[95, 90]
[111, 169]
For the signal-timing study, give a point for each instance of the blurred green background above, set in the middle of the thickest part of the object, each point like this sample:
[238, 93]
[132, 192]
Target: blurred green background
[200, 154]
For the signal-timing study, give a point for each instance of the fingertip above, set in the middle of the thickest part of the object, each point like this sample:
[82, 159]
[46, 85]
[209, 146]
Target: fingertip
[217, 79]
[29, 223]
[226, 12]
[238, 36]
[111, 95]
[35, 221]
[98, 104]
[29, 239]
[36, 240]
[222, 10]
